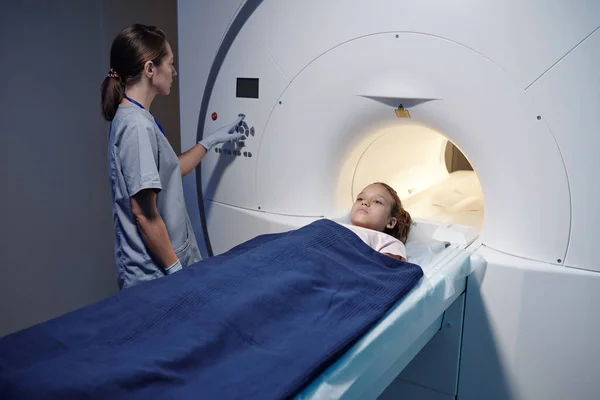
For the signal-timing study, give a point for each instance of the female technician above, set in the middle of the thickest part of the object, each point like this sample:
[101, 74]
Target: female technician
[153, 234]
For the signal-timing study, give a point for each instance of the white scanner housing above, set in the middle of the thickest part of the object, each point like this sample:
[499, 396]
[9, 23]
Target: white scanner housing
[515, 88]
[501, 144]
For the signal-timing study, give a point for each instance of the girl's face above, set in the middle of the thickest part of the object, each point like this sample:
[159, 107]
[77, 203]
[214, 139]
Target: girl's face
[162, 78]
[373, 209]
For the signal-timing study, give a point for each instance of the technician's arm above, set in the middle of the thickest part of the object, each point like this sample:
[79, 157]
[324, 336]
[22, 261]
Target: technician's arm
[152, 227]
[191, 158]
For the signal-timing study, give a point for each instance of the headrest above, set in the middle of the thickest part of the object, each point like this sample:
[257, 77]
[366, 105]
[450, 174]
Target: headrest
[420, 248]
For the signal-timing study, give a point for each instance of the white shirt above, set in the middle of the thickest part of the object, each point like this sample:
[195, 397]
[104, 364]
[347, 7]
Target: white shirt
[379, 241]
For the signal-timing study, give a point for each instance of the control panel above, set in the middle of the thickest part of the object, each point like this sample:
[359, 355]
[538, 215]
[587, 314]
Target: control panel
[237, 149]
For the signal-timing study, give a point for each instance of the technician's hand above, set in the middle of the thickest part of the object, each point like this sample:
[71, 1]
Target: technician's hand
[224, 134]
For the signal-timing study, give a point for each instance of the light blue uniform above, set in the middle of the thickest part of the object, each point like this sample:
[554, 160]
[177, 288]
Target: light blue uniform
[141, 157]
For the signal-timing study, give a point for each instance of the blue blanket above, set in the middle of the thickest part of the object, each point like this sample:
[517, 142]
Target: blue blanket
[258, 322]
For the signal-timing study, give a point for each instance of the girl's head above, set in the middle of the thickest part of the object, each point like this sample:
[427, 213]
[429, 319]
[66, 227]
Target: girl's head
[378, 207]
[140, 54]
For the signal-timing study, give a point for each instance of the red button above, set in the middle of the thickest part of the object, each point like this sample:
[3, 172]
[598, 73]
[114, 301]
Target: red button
[214, 116]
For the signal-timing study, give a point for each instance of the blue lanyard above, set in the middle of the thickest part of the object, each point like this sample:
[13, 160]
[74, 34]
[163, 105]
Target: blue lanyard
[142, 107]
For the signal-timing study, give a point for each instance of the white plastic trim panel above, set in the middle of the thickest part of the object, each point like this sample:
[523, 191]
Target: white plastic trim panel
[524, 37]
[569, 96]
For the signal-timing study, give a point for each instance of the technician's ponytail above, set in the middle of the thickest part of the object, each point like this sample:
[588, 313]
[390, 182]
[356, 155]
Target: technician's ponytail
[112, 93]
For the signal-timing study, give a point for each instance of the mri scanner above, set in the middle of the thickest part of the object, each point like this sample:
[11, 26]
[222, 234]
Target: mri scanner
[483, 115]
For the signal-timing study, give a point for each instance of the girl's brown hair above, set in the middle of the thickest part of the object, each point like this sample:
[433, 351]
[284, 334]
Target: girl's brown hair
[131, 49]
[403, 218]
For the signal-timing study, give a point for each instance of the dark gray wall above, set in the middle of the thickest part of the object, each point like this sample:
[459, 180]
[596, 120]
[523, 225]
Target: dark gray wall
[56, 229]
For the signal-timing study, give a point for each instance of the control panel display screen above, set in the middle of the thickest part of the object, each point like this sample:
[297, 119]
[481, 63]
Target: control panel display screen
[247, 88]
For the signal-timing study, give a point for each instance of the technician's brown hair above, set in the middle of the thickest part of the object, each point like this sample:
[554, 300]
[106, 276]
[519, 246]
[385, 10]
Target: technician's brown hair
[132, 48]
[403, 218]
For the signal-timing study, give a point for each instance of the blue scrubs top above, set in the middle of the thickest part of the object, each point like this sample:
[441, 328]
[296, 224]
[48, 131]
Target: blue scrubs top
[141, 157]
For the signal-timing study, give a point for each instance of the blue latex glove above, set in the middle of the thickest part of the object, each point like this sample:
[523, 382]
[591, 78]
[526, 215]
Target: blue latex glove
[174, 268]
[224, 134]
